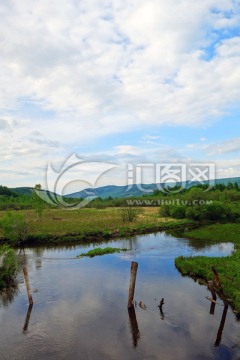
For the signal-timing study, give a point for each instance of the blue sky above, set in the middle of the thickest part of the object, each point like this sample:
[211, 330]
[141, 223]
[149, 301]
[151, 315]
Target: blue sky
[130, 81]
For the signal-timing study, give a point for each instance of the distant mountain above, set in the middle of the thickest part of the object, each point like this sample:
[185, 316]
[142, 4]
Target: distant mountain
[110, 190]
[22, 190]
[135, 190]
[30, 190]
[4, 190]
[116, 191]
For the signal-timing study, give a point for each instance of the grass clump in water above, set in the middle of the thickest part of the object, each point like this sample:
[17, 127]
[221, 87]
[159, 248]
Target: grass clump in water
[100, 251]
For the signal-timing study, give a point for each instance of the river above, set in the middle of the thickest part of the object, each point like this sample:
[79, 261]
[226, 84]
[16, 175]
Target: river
[80, 305]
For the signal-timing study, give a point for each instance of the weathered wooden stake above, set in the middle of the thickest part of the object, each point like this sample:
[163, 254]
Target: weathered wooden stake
[133, 275]
[214, 296]
[211, 288]
[25, 327]
[216, 276]
[134, 326]
[220, 289]
[25, 273]
[221, 327]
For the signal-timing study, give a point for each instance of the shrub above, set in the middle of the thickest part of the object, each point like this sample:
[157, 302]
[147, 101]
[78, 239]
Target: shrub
[164, 210]
[178, 212]
[14, 228]
[8, 266]
[216, 211]
[129, 214]
[193, 212]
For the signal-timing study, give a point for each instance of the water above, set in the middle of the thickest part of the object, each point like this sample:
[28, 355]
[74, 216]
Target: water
[80, 306]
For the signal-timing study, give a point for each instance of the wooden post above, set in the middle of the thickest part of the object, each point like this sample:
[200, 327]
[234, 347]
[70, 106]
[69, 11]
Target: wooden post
[211, 288]
[134, 326]
[133, 275]
[213, 304]
[216, 276]
[221, 327]
[25, 327]
[25, 273]
[220, 289]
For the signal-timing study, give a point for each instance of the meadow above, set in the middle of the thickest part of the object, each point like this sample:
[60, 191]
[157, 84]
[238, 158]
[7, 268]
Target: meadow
[58, 226]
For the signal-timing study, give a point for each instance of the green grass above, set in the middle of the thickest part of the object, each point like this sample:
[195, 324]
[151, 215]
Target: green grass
[58, 226]
[227, 267]
[217, 233]
[99, 251]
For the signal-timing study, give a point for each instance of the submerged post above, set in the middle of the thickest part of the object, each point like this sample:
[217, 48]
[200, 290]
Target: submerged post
[211, 288]
[25, 327]
[133, 275]
[25, 273]
[220, 289]
[214, 297]
[134, 326]
[221, 327]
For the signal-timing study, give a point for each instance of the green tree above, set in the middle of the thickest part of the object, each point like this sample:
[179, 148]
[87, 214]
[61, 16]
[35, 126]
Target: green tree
[178, 211]
[38, 203]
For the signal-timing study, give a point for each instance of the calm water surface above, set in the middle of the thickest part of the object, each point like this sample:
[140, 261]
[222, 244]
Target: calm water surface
[80, 306]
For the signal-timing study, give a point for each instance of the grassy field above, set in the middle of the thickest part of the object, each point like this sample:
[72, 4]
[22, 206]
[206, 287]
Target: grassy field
[227, 267]
[62, 225]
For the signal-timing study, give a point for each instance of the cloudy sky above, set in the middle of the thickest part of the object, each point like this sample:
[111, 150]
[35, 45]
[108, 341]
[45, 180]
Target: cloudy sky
[119, 81]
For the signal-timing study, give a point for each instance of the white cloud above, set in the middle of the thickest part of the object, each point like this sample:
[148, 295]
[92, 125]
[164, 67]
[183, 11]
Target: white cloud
[126, 149]
[150, 139]
[99, 68]
[225, 147]
[73, 59]
[228, 168]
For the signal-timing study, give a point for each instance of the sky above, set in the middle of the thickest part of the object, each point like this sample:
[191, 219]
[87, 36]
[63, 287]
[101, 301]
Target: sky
[117, 82]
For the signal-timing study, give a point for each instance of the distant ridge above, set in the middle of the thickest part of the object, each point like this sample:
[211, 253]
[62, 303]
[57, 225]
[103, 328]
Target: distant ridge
[116, 191]
[22, 190]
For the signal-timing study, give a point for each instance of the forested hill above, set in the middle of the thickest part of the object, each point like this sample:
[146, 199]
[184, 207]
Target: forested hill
[115, 191]
[4, 190]
[22, 190]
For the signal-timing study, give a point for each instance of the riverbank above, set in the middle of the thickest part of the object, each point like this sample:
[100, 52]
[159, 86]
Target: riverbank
[87, 225]
[227, 267]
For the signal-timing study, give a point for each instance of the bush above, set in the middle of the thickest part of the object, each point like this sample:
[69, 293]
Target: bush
[129, 214]
[164, 210]
[216, 211]
[193, 212]
[14, 228]
[178, 212]
[8, 266]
